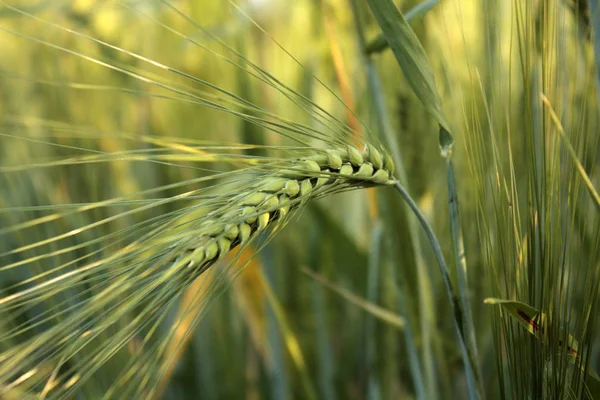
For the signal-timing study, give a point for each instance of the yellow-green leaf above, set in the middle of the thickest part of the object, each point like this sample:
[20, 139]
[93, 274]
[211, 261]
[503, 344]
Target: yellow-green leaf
[535, 322]
[380, 43]
[412, 60]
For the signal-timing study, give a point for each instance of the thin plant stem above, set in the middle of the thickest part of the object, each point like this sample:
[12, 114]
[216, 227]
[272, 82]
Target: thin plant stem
[454, 301]
[461, 269]
[426, 306]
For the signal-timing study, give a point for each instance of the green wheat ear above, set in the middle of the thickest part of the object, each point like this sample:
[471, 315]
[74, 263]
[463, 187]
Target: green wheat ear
[269, 202]
[264, 205]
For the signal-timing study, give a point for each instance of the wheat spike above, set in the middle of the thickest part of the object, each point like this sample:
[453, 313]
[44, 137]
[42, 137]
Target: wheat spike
[263, 205]
[271, 199]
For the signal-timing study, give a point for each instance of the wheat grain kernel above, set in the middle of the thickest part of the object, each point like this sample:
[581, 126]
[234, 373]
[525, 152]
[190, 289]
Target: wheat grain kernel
[211, 251]
[271, 203]
[388, 164]
[231, 232]
[334, 160]
[346, 169]
[381, 176]
[305, 187]
[354, 156]
[320, 159]
[254, 199]
[224, 245]
[291, 188]
[197, 256]
[245, 232]
[263, 221]
[322, 180]
[375, 157]
[249, 211]
[365, 171]
[312, 166]
[273, 185]
[284, 208]
[212, 230]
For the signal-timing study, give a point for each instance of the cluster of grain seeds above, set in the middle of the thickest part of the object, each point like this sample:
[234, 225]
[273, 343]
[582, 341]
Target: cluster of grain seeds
[272, 198]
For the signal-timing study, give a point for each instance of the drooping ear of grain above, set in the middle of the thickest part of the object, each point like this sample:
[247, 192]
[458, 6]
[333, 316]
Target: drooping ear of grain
[266, 205]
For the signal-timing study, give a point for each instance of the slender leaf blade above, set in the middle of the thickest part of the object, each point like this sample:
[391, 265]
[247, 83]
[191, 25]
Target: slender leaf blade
[410, 55]
[534, 321]
[380, 43]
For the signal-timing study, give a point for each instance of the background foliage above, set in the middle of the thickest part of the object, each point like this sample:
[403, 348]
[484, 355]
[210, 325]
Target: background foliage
[347, 300]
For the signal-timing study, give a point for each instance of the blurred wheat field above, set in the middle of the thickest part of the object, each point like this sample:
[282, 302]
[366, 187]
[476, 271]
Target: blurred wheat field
[126, 124]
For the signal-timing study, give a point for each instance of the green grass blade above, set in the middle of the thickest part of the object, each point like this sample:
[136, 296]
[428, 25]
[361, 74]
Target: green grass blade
[468, 357]
[580, 168]
[460, 260]
[369, 306]
[594, 10]
[534, 322]
[410, 56]
[380, 43]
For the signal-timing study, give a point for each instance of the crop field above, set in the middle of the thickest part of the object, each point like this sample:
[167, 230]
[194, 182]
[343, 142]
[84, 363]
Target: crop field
[299, 199]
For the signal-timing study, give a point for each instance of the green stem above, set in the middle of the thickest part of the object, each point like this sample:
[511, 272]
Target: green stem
[461, 269]
[426, 306]
[454, 301]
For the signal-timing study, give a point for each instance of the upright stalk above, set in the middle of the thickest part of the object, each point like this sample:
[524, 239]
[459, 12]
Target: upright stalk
[426, 306]
[454, 301]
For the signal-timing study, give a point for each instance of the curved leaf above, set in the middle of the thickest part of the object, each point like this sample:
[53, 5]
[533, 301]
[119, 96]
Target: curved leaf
[412, 59]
